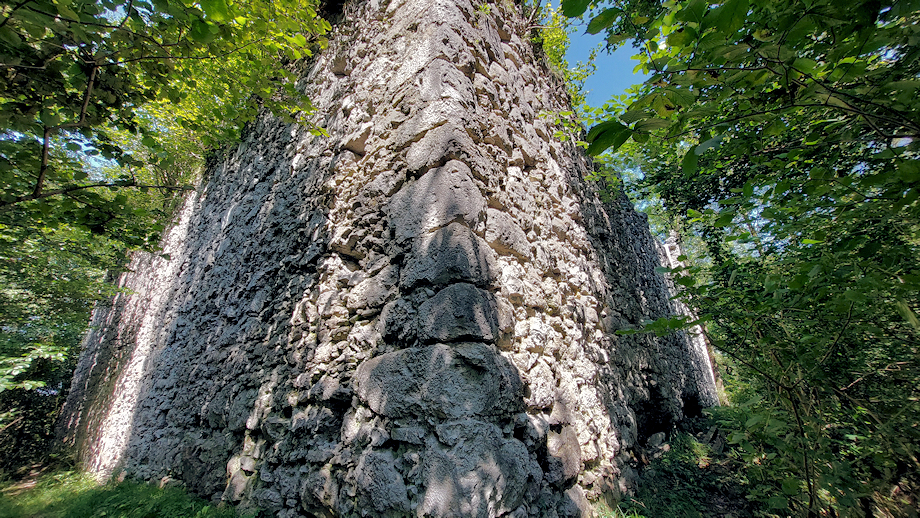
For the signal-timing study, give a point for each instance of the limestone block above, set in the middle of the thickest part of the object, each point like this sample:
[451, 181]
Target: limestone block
[439, 381]
[427, 118]
[505, 235]
[542, 386]
[574, 504]
[480, 474]
[319, 490]
[450, 254]
[443, 80]
[563, 456]
[448, 141]
[380, 485]
[439, 197]
[375, 291]
[459, 312]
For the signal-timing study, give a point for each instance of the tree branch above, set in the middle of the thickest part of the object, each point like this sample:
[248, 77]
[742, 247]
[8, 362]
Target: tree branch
[13, 10]
[6, 205]
[533, 16]
[127, 13]
[197, 58]
[43, 169]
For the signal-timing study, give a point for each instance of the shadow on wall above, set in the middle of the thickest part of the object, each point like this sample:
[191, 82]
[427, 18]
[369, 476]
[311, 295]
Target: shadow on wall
[449, 407]
[167, 374]
[658, 375]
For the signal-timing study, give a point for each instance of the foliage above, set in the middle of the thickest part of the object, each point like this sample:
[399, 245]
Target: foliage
[50, 280]
[785, 136]
[602, 510]
[766, 66]
[689, 479]
[74, 495]
[75, 71]
[107, 111]
[554, 38]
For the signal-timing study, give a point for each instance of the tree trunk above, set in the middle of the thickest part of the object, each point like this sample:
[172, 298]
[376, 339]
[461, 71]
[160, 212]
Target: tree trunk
[413, 316]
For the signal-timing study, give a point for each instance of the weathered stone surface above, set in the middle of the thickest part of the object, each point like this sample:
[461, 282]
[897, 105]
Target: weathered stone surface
[564, 458]
[439, 381]
[505, 235]
[414, 316]
[380, 486]
[459, 312]
[450, 254]
[439, 197]
[477, 473]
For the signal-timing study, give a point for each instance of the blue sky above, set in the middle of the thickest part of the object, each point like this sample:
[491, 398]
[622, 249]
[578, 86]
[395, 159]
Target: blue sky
[614, 71]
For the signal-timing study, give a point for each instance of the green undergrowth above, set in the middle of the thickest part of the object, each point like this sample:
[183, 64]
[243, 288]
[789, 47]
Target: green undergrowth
[693, 477]
[69, 494]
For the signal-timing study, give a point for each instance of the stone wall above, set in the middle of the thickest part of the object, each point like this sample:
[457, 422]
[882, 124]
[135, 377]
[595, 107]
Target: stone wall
[412, 317]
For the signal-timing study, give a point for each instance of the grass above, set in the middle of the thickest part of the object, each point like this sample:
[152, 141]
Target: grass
[69, 494]
[602, 510]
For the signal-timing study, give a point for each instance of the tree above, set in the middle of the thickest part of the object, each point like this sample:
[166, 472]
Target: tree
[786, 135]
[107, 110]
[75, 72]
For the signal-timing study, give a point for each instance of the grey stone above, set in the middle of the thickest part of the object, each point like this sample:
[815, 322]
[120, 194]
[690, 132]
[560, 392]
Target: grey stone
[480, 475]
[459, 312]
[563, 456]
[319, 490]
[439, 381]
[380, 485]
[449, 141]
[409, 434]
[450, 254]
[574, 504]
[436, 199]
[505, 235]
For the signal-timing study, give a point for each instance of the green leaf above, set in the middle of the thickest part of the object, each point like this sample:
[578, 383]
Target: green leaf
[594, 132]
[725, 219]
[612, 138]
[574, 8]
[682, 37]
[689, 163]
[905, 310]
[603, 20]
[711, 143]
[66, 11]
[216, 10]
[778, 502]
[10, 36]
[201, 31]
[909, 170]
[652, 124]
[617, 38]
[732, 15]
[692, 12]
[855, 296]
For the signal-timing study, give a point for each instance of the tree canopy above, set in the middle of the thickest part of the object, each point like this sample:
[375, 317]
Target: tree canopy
[784, 135]
[76, 72]
[108, 109]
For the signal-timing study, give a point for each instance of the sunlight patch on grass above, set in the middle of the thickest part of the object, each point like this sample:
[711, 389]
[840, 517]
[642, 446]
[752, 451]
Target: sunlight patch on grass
[70, 494]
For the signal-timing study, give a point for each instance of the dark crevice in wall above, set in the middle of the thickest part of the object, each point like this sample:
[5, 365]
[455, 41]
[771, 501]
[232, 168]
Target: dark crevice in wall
[651, 418]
